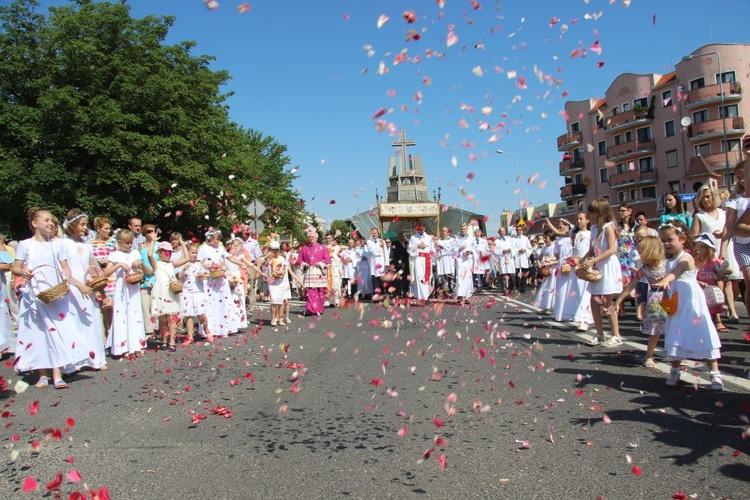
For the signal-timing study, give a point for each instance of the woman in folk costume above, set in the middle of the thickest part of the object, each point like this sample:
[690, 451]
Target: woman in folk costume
[314, 260]
[213, 257]
[422, 250]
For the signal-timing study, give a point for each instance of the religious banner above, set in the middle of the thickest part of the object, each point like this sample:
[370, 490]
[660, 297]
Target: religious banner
[408, 210]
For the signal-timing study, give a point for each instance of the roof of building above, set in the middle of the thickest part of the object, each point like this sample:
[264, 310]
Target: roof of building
[699, 168]
[599, 104]
[669, 77]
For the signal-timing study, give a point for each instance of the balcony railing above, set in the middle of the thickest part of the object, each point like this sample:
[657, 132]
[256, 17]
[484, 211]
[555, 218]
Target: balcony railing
[628, 118]
[569, 141]
[570, 165]
[735, 125]
[572, 191]
[632, 177]
[630, 147]
[732, 91]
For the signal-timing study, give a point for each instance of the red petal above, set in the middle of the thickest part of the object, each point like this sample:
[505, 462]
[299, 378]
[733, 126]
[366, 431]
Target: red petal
[30, 484]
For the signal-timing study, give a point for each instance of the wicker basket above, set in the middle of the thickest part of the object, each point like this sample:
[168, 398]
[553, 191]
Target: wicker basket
[568, 264]
[134, 277]
[216, 273]
[96, 279]
[175, 286]
[544, 271]
[54, 292]
[588, 274]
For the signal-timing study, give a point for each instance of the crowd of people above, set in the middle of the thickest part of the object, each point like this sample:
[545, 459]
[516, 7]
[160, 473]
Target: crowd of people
[79, 291]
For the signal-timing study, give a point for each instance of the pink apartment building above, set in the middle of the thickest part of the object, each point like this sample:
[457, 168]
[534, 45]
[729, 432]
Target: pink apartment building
[652, 134]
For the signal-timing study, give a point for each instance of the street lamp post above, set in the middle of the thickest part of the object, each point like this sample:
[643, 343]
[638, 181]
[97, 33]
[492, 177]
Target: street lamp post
[518, 179]
[722, 111]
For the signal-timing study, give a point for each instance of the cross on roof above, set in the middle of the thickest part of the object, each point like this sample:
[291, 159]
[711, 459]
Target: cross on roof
[403, 144]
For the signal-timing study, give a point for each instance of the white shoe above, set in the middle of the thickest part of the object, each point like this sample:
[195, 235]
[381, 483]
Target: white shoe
[594, 340]
[613, 342]
[717, 384]
[674, 377]
[583, 327]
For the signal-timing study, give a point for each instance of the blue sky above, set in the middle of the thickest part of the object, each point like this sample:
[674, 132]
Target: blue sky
[301, 73]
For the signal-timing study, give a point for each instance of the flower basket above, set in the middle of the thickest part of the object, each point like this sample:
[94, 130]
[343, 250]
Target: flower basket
[175, 286]
[216, 273]
[134, 277]
[588, 274]
[54, 292]
[568, 264]
[95, 278]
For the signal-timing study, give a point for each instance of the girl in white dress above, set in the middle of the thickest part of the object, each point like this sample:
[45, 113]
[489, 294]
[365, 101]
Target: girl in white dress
[278, 286]
[193, 297]
[545, 296]
[237, 310]
[48, 334]
[127, 333]
[165, 304]
[603, 257]
[689, 332]
[566, 292]
[213, 257]
[80, 258]
[581, 245]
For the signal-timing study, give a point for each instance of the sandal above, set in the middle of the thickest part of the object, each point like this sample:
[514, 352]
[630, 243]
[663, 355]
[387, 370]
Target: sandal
[172, 348]
[60, 384]
[43, 382]
[721, 328]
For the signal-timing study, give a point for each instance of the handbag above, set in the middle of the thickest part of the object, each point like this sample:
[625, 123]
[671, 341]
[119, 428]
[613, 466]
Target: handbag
[714, 296]
[669, 302]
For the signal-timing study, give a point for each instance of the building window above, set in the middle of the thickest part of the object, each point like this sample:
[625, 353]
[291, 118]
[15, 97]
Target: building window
[642, 102]
[622, 196]
[629, 136]
[625, 106]
[603, 175]
[666, 98]
[702, 149]
[700, 116]
[602, 145]
[643, 134]
[729, 111]
[646, 164]
[669, 128]
[697, 84]
[620, 168]
[674, 186]
[606, 197]
[578, 179]
[726, 77]
[730, 145]
[599, 120]
[618, 139]
[580, 206]
[648, 192]
[574, 127]
[672, 158]
[633, 194]
[614, 111]
[730, 178]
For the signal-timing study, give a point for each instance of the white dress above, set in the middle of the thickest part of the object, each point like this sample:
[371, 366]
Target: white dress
[690, 333]
[193, 296]
[127, 333]
[237, 314]
[611, 281]
[566, 290]
[277, 287]
[583, 312]
[6, 319]
[218, 294]
[363, 278]
[48, 334]
[421, 283]
[464, 248]
[163, 301]
[545, 296]
[87, 309]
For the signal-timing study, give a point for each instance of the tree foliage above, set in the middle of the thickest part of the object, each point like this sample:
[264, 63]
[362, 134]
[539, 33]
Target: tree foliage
[96, 111]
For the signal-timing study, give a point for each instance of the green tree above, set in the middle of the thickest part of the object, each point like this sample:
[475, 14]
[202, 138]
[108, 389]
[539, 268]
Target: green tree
[343, 228]
[97, 112]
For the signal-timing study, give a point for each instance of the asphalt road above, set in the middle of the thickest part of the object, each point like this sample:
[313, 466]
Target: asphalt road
[492, 400]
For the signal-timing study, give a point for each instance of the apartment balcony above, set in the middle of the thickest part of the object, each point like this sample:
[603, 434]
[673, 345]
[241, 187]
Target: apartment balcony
[630, 148]
[715, 128]
[717, 159]
[571, 166]
[712, 94]
[566, 142]
[632, 177]
[627, 119]
[571, 191]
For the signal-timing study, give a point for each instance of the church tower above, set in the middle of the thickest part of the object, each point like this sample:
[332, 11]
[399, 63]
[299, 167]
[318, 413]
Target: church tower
[406, 179]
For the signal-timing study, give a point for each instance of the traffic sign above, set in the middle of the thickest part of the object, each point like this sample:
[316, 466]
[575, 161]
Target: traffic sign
[521, 223]
[257, 226]
[255, 208]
